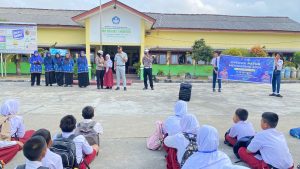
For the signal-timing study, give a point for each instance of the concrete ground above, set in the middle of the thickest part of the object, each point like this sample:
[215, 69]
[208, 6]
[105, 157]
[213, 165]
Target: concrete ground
[129, 117]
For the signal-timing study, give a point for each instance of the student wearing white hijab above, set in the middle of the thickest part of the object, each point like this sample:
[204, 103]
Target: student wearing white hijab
[171, 125]
[208, 155]
[189, 125]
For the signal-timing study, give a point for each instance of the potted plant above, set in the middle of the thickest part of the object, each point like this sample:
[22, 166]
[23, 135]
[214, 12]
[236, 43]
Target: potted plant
[297, 61]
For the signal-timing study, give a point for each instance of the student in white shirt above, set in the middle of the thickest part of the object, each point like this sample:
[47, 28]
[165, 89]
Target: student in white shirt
[270, 143]
[276, 80]
[171, 125]
[215, 63]
[241, 127]
[9, 149]
[208, 156]
[189, 125]
[51, 160]
[83, 150]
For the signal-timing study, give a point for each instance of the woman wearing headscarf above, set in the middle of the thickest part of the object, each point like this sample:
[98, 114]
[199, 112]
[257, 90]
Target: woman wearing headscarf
[208, 156]
[83, 71]
[59, 71]
[49, 69]
[68, 66]
[184, 142]
[36, 62]
[108, 77]
[100, 69]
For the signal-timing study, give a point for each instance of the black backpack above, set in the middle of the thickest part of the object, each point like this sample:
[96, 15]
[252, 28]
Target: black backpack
[24, 166]
[243, 142]
[185, 91]
[65, 147]
[191, 148]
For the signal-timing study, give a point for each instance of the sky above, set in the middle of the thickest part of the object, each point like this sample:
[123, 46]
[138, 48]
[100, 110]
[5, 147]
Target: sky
[287, 8]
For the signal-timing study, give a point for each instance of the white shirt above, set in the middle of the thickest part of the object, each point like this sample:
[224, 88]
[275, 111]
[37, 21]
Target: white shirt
[17, 126]
[98, 127]
[213, 61]
[52, 160]
[273, 148]
[82, 146]
[172, 125]
[279, 64]
[242, 129]
[7, 143]
[179, 142]
[32, 164]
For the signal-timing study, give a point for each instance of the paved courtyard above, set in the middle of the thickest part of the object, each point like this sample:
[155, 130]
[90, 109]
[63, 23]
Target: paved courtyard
[129, 117]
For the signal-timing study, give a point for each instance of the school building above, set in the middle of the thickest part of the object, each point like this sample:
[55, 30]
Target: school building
[168, 36]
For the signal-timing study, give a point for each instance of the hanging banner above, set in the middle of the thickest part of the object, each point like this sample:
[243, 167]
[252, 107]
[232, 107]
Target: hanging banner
[62, 52]
[246, 69]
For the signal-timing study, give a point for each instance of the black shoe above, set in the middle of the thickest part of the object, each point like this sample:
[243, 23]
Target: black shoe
[279, 95]
[32, 85]
[145, 88]
[219, 90]
[101, 87]
[125, 89]
[214, 90]
[107, 88]
[47, 85]
[38, 85]
[273, 94]
[117, 88]
[50, 84]
[71, 85]
[152, 88]
[98, 87]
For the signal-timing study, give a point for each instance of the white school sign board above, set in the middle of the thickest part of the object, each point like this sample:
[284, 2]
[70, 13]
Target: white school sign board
[118, 26]
[18, 38]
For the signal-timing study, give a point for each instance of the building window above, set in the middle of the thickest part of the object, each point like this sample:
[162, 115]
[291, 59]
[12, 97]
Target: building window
[162, 59]
[189, 60]
[174, 59]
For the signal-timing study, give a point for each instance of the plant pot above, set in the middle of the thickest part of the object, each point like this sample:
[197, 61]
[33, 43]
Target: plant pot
[293, 73]
[298, 73]
[287, 73]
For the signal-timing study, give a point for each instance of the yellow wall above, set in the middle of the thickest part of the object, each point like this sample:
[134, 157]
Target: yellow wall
[63, 36]
[222, 40]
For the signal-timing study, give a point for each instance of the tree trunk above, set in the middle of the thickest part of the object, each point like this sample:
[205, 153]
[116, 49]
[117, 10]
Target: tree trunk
[18, 65]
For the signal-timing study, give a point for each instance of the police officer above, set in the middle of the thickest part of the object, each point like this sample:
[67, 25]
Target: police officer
[147, 62]
[120, 67]
[100, 69]
[276, 80]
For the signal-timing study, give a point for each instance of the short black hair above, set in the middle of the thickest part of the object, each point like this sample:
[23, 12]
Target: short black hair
[44, 133]
[120, 47]
[68, 123]
[34, 147]
[88, 112]
[270, 118]
[217, 52]
[242, 114]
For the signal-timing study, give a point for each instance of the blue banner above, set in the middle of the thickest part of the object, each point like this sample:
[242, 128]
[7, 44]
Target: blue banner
[62, 52]
[246, 69]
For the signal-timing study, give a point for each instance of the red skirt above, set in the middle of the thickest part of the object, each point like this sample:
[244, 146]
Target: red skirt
[8, 153]
[108, 78]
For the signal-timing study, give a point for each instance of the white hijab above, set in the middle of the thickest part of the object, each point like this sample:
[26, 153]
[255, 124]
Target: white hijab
[10, 107]
[189, 124]
[180, 108]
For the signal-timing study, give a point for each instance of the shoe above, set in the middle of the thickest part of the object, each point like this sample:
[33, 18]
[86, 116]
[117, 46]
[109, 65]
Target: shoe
[98, 87]
[32, 85]
[273, 94]
[125, 89]
[279, 95]
[46, 85]
[71, 85]
[38, 85]
[219, 90]
[50, 84]
[152, 88]
[65, 85]
[145, 88]
[117, 88]
[214, 90]
[107, 88]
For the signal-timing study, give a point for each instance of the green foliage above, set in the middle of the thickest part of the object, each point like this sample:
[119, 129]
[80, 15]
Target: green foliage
[297, 58]
[42, 51]
[160, 73]
[258, 51]
[289, 64]
[137, 67]
[201, 51]
[236, 52]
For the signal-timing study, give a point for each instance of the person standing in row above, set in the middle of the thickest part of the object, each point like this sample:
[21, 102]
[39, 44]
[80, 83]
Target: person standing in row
[147, 62]
[36, 62]
[108, 77]
[120, 67]
[49, 69]
[68, 67]
[59, 72]
[276, 80]
[215, 63]
[83, 70]
[100, 69]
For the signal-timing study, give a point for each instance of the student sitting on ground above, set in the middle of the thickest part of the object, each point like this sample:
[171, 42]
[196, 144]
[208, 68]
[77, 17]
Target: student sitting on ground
[88, 128]
[85, 153]
[270, 143]
[51, 160]
[185, 142]
[241, 127]
[34, 150]
[9, 149]
[171, 126]
[208, 156]
[9, 109]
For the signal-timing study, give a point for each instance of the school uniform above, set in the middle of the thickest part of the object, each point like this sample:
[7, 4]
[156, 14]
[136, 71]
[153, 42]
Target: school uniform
[100, 71]
[49, 70]
[33, 165]
[147, 62]
[59, 71]
[52, 160]
[83, 72]
[121, 68]
[98, 127]
[68, 67]
[273, 149]
[215, 62]
[8, 150]
[108, 76]
[276, 80]
[36, 69]
[239, 130]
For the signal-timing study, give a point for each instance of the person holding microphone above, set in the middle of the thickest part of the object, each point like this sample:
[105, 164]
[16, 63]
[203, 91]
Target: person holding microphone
[147, 62]
[215, 63]
[120, 66]
[276, 80]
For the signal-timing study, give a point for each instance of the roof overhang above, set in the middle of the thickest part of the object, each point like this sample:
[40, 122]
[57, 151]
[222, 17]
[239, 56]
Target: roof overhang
[18, 23]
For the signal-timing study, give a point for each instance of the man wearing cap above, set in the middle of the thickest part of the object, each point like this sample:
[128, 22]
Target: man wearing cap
[120, 66]
[276, 80]
[147, 62]
[100, 69]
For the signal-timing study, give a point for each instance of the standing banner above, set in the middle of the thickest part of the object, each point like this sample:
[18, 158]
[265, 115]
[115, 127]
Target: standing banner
[246, 69]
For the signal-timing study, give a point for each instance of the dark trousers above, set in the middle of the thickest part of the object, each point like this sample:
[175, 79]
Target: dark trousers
[215, 80]
[100, 76]
[68, 78]
[49, 77]
[36, 76]
[59, 78]
[276, 80]
[148, 74]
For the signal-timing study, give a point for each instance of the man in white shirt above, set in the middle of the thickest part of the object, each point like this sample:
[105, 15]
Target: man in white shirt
[120, 67]
[276, 80]
[215, 63]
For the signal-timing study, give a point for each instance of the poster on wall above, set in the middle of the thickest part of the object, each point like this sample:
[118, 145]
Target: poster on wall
[18, 38]
[246, 69]
[62, 52]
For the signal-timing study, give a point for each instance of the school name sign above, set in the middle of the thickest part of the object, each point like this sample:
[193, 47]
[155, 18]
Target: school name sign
[246, 69]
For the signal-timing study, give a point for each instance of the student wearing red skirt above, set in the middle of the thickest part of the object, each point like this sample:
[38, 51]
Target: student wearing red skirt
[108, 77]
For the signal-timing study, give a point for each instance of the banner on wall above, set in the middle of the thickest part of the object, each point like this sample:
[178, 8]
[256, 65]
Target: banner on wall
[62, 52]
[18, 38]
[246, 69]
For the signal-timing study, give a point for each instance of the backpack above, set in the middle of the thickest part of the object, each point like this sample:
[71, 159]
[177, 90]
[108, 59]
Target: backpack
[295, 132]
[243, 142]
[154, 142]
[65, 147]
[87, 130]
[24, 166]
[191, 148]
[4, 128]
[185, 91]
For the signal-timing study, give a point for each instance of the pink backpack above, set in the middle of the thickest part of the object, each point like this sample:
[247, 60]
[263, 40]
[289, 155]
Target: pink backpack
[154, 142]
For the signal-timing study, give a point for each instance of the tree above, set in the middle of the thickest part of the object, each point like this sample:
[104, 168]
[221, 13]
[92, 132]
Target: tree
[258, 51]
[297, 58]
[236, 52]
[201, 51]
